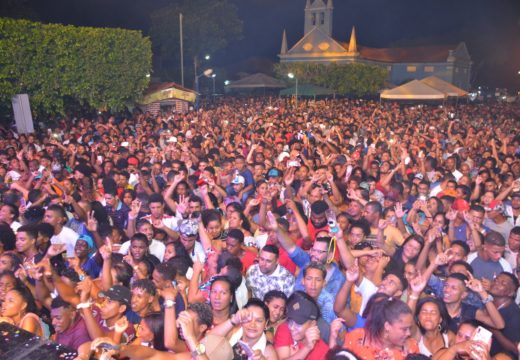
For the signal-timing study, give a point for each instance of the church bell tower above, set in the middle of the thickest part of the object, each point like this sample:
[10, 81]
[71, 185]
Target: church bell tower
[318, 13]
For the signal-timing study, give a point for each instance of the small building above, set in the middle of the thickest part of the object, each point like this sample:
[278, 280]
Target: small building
[451, 63]
[167, 94]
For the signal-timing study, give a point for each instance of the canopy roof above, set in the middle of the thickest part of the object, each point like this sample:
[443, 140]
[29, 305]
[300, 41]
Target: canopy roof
[414, 90]
[444, 86]
[307, 90]
[256, 81]
[167, 91]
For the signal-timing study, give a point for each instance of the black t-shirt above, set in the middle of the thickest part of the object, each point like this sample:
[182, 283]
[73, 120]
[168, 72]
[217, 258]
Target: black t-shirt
[467, 312]
[511, 315]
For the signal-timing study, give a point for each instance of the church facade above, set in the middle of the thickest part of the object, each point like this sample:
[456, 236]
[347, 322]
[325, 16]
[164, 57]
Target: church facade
[451, 63]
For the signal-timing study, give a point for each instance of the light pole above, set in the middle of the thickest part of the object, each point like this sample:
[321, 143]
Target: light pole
[195, 67]
[213, 76]
[206, 73]
[292, 76]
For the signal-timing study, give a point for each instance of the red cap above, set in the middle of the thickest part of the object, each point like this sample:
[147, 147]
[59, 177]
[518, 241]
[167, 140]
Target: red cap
[460, 205]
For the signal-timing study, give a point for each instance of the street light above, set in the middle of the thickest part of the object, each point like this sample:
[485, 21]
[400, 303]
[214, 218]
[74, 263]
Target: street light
[207, 57]
[227, 82]
[292, 76]
[213, 76]
[206, 73]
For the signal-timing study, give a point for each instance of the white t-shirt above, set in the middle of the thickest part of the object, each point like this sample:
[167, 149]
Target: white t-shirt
[15, 225]
[366, 288]
[68, 237]
[156, 248]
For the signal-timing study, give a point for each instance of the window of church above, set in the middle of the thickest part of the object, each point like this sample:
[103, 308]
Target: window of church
[429, 69]
[313, 19]
[322, 18]
[411, 68]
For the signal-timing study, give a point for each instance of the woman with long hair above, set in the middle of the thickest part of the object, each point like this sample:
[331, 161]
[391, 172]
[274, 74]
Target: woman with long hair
[431, 318]
[222, 299]
[19, 309]
[150, 332]
[386, 333]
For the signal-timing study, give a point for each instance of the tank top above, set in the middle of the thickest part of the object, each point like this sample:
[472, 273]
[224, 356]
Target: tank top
[424, 350]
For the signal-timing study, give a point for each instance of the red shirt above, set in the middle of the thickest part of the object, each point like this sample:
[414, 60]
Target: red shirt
[248, 259]
[283, 338]
[284, 258]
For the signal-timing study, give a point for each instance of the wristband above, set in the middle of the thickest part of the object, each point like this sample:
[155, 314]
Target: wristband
[84, 305]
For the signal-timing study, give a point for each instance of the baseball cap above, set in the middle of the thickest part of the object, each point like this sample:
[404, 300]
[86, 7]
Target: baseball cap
[495, 205]
[301, 308]
[460, 205]
[340, 160]
[274, 172]
[118, 293]
[188, 227]
[133, 161]
[238, 180]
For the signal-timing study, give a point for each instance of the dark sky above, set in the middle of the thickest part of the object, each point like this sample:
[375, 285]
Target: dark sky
[490, 28]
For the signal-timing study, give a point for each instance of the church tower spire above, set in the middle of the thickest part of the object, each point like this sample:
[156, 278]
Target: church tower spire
[352, 45]
[284, 43]
[318, 13]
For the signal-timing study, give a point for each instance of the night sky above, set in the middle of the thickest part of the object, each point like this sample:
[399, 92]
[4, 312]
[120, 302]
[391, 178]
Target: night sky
[490, 28]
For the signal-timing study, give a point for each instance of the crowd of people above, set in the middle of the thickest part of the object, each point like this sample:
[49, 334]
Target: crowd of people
[260, 228]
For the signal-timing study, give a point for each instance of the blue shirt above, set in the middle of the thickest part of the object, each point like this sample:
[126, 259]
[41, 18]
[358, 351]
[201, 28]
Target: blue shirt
[335, 278]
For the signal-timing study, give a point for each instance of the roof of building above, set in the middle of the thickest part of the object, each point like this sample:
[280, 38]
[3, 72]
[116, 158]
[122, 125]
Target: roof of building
[413, 90]
[257, 80]
[433, 53]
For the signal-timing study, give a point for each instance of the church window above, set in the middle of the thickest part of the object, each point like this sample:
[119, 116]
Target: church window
[322, 18]
[411, 68]
[313, 19]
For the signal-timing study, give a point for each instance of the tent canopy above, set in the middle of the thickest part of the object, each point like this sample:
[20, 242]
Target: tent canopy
[414, 90]
[307, 90]
[167, 91]
[444, 86]
[256, 81]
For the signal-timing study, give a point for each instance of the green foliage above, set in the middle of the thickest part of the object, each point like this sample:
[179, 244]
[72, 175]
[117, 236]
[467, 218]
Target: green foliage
[346, 79]
[208, 26]
[56, 64]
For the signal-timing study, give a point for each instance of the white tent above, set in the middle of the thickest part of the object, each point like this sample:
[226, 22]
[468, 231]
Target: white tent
[447, 88]
[414, 90]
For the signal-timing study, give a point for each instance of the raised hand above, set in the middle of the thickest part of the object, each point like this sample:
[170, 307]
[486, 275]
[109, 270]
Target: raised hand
[312, 336]
[382, 225]
[182, 205]
[92, 223]
[352, 274]
[451, 215]
[121, 325]
[241, 317]
[417, 284]
[271, 219]
[135, 207]
[55, 249]
[474, 285]
[399, 212]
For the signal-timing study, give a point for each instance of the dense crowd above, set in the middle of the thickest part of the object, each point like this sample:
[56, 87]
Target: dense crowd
[260, 229]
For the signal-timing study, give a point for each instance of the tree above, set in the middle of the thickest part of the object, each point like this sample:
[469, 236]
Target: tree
[100, 68]
[208, 26]
[346, 79]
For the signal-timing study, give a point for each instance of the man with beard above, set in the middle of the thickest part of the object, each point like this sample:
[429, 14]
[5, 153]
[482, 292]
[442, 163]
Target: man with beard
[318, 218]
[319, 252]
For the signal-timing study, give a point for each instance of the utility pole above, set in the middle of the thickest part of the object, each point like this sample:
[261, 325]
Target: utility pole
[182, 49]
